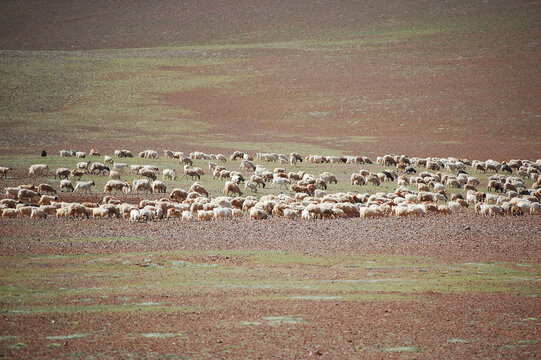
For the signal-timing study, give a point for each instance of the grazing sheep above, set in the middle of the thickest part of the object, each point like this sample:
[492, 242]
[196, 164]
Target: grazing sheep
[174, 213]
[191, 172]
[221, 158]
[115, 185]
[495, 186]
[76, 173]
[108, 160]
[444, 210]
[99, 168]
[416, 210]
[135, 215]
[47, 199]
[221, 213]
[170, 174]
[65, 153]
[62, 173]
[38, 213]
[149, 154]
[158, 187]
[66, 185]
[85, 186]
[258, 180]
[94, 152]
[400, 211]
[535, 208]
[205, 215]
[62, 212]
[8, 203]
[80, 154]
[147, 173]
[178, 195]
[123, 153]
[281, 182]
[373, 179]
[454, 206]
[123, 166]
[141, 185]
[247, 165]
[4, 171]
[76, 210]
[83, 165]
[308, 189]
[231, 187]
[115, 175]
[358, 179]
[46, 188]
[250, 185]
[27, 195]
[257, 213]
[148, 214]
[170, 154]
[370, 212]
[100, 213]
[186, 161]
[10, 213]
[198, 188]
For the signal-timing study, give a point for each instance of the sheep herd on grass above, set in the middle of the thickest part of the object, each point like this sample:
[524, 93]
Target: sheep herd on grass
[421, 186]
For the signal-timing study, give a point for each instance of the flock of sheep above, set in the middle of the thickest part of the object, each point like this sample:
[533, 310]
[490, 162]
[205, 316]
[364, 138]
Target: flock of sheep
[423, 185]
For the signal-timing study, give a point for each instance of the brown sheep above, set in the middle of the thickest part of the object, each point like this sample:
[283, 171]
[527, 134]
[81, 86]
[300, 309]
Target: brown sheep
[178, 195]
[46, 188]
[231, 187]
[27, 195]
[196, 187]
[10, 213]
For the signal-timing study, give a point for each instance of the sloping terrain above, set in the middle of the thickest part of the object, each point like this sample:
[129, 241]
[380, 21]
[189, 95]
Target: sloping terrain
[431, 78]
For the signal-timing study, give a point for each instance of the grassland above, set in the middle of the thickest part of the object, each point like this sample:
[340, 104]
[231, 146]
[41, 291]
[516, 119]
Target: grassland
[176, 284]
[442, 78]
[214, 186]
[358, 90]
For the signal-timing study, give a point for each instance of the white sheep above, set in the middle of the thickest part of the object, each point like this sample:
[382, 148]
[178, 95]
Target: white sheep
[169, 173]
[221, 213]
[257, 213]
[250, 185]
[66, 185]
[535, 208]
[38, 213]
[120, 166]
[281, 182]
[114, 175]
[158, 187]
[141, 185]
[247, 165]
[85, 186]
[38, 169]
[135, 215]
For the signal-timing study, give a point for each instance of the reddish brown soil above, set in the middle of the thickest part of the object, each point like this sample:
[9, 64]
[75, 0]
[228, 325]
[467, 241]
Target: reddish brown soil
[470, 91]
[468, 87]
[459, 325]
[462, 237]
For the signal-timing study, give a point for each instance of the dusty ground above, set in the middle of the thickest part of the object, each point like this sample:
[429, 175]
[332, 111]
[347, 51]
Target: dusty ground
[441, 78]
[423, 78]
[457, 286]
[463, 237]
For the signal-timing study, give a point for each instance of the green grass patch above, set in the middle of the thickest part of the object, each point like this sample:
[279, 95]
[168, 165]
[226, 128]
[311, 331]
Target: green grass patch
[119, 93]
[114, 283]
[98, 308]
